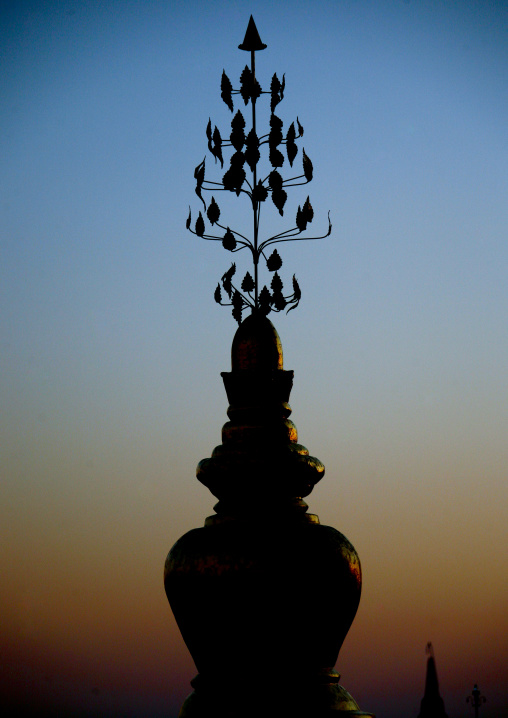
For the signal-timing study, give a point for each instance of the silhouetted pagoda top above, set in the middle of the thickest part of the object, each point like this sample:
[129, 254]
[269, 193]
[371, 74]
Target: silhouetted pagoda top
[432, 705]
[263, 593]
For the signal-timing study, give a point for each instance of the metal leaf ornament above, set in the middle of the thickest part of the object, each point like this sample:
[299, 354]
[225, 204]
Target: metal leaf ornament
[209, 135]
[214, 142]
[275, 181]
[200, 225]
[278, 299]
[237, 135]
[250, 88]
[307, 167]
[275, 136]
[199, 176]
[226, 279]
[252, 154]
[213, 211]
[265, 301]
[229, 241]
[237, 306]
[276, 91]
[235, 176]
[226, 91]
[304, 215]
[276, 283]
[291, 146]
[274, 261]
[248, 284]
[259, 193]
[296, 290]
[295, 300]
[279, 195]
[248, 148]
[217, 146]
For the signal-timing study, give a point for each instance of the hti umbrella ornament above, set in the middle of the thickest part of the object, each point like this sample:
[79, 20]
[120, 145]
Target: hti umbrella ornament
[255, 173]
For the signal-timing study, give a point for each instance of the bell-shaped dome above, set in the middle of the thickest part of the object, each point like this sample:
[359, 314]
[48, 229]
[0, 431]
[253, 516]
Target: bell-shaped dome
[256, 345]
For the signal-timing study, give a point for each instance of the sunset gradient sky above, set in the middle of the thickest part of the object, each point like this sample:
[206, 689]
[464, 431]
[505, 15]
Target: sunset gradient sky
[112, 345]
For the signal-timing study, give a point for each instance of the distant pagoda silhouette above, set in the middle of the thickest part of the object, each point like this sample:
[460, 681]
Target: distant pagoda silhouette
[432, 705]
[263, 594]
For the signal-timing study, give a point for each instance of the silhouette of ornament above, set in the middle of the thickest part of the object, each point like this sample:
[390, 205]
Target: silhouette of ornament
[248, 150]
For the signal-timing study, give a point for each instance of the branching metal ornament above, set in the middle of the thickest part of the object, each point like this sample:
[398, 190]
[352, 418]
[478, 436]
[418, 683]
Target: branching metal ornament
[246, 154]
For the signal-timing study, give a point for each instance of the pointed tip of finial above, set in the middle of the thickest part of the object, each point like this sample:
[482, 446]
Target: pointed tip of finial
[252, 41]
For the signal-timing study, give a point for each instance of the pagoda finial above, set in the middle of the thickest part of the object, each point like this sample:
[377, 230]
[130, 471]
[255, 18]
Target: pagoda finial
[252, 41]
[432, 705]
[247, 148]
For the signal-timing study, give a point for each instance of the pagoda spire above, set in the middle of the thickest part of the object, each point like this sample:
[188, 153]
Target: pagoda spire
[432, 705]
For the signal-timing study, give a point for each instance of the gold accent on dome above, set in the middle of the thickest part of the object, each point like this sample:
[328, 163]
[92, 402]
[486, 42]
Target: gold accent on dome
[256, 346]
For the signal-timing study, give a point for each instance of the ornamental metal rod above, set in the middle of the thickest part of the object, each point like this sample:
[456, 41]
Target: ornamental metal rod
[255, 202]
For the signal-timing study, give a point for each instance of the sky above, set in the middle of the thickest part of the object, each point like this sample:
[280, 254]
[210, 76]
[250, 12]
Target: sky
[112, 345]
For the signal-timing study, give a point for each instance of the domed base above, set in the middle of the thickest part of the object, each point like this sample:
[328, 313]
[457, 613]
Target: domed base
[290, 697]
[263, 608]
[263, 595]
